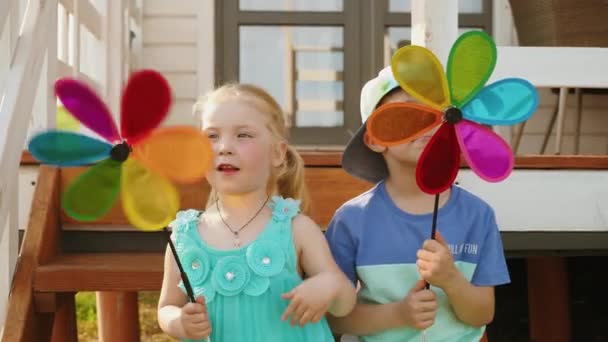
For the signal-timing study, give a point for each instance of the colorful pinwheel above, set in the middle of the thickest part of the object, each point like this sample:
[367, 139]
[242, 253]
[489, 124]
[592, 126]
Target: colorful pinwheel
[139, 162]
[459, 103]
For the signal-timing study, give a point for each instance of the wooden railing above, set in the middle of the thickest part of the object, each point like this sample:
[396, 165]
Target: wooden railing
[25, 320]
[18, 94]
[34, 61]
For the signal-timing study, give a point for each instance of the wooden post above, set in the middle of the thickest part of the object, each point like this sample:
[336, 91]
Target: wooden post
[504, 35]
[9, 243]
[561, 113]
[64, 324]
[548, 299]
[435, 26]
[5, 10]
[114, 43]
[117, 312]
[56, 317]
[117, 316]
[51, 72]
[205, 69]
[41, 330]
[76, 42]
[29, 319]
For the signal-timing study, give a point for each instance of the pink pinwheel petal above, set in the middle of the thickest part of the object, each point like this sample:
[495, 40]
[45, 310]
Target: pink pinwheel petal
[82, 102]
[488, 155]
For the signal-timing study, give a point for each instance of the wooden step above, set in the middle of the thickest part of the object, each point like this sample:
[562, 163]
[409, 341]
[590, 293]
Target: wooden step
[100, 272]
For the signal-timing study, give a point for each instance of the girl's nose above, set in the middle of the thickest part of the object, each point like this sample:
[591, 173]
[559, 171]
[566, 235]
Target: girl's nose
[224, 152]
[224, 148]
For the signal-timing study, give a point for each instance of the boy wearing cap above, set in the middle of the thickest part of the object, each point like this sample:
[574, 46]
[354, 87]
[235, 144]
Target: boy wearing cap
[380, 239]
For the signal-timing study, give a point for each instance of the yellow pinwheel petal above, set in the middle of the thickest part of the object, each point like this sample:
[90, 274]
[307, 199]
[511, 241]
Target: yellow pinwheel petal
[149, 200]
[421, 75]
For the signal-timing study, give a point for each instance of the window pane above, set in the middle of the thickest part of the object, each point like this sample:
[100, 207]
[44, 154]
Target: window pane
[398, 36]
[470, 6]
[291, 5]
[464, 6]
[300, 66]
[394, 38]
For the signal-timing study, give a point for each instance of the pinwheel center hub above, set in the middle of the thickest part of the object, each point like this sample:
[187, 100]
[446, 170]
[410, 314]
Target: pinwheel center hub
[120, 152]
[452, 115]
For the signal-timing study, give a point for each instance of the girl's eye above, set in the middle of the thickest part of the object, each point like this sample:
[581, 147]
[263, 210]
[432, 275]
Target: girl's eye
[212, 136]
[244, 135]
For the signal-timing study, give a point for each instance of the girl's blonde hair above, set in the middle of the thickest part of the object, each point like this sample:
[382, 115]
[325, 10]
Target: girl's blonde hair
[288, 179]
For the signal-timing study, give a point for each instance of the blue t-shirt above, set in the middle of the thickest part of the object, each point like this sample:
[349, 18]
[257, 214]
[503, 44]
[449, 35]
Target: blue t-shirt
[375, 242]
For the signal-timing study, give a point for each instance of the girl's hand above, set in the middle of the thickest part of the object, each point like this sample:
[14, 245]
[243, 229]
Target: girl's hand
[311, 299]
[435, 263]
[195, 320]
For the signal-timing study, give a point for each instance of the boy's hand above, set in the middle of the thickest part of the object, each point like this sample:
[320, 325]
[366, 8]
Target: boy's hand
[311, 299]
[195, 320]
[419, 308]
[435, 263]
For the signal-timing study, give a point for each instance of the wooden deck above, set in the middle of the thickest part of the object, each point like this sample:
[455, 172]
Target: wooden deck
[47, 276]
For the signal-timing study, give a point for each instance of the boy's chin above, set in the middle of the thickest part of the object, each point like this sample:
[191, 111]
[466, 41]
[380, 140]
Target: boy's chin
[410, 163]
[410, 157]
[407, 161]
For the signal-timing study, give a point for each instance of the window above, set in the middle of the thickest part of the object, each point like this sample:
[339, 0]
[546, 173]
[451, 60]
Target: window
[292, 5]
[314, 56]
[306, 64]
[473, 15]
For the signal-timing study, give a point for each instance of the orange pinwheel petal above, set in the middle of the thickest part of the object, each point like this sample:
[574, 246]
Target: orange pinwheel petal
[182, 153]
[399, 123]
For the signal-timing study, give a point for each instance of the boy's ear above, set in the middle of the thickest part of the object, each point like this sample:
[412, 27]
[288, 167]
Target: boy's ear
[369, 142]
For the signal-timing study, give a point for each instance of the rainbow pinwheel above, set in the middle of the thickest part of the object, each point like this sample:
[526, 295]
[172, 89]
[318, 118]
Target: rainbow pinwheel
[139, 162]
[460, 105]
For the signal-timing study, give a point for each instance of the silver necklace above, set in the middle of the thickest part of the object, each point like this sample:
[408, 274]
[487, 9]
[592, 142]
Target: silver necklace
[235, 233]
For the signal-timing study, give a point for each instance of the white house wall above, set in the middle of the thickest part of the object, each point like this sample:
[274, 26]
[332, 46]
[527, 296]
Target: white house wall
[172, 41]
[178, 41]
[170, 38]
[543, 200]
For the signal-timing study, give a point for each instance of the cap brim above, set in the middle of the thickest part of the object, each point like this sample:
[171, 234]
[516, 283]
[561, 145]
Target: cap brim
[361, 162]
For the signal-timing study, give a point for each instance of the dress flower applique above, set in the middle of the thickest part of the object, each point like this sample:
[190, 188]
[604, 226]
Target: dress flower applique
[186, 220]
[257, 285]
[230, 276]
[265, 258]
[284, 208]
[196, 265]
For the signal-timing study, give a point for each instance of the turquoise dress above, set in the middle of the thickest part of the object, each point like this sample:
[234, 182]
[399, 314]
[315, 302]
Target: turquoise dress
[243, 286]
